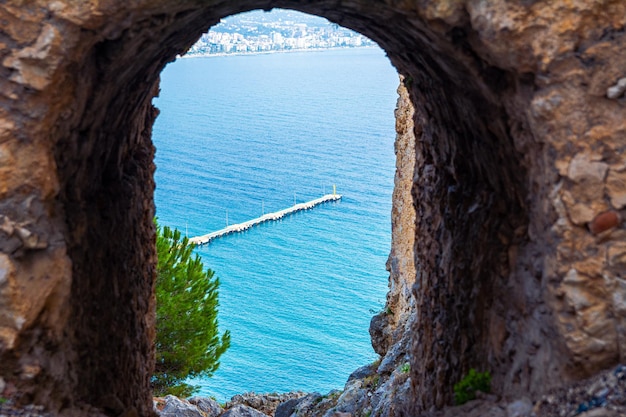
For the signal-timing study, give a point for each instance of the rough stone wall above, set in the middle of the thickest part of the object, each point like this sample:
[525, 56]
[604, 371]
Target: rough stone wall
[547, 307]
[561, 270]
[389, 327]
[401, 262]
[518, 188]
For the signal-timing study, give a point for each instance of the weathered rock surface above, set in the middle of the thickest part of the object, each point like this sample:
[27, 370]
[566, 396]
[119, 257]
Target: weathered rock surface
[175, 407]
[242, 405]
[287, 408]
[519, 408]
[241, 410]
[515, 258]
[603, 395]
[310, 405]
[365, 394]
[265, 403]
[388, 327]
[208, 406]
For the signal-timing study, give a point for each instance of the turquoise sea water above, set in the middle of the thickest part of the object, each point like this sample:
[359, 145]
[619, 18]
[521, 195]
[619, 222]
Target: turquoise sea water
[239, 135]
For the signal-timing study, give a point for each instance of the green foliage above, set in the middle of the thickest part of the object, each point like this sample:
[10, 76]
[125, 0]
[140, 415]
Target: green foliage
[374, 365]
[334, 394]
[187, 338]
[371, 381]
[465, 390]
[405, 368]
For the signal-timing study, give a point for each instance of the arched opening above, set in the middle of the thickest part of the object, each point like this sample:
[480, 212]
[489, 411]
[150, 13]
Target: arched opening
[493, 189]
[466, 161]
[243, 133]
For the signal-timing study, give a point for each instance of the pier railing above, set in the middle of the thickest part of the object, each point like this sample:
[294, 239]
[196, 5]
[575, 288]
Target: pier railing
[240, 227]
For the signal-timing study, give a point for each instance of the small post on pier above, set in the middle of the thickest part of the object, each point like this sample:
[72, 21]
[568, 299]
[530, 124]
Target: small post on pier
[334, 189]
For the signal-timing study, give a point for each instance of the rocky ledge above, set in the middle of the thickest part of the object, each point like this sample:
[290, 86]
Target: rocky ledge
[367, 392]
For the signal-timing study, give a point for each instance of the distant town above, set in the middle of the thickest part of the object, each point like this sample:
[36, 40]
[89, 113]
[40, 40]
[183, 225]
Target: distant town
[276, 31]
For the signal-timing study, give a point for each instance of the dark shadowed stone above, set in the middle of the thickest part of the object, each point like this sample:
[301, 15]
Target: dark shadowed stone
[362, 372]
[380, 333]
[287, 408]
[397, 354]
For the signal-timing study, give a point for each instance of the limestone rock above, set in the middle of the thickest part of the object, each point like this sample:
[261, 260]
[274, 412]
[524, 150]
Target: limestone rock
[380, 333]
[616, 90]
[265, 403]
[584, 169]
[519, 408]
[287, 408]
[617, 256]
[35, 65]
[580, 213]
[207, 405]
[241, 410]
[398, 354]
[389, 399]
[362, 372]
[175, 407]
[352, 398]
[401, 262]
[616, 187]
[314, 404]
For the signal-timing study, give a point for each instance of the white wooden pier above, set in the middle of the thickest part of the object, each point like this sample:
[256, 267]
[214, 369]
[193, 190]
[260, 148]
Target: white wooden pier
[241, 227]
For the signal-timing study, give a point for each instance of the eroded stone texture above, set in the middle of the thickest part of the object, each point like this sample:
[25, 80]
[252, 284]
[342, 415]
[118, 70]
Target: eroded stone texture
[390, 329]
[519, 152]
[401, 262]
[387, 327]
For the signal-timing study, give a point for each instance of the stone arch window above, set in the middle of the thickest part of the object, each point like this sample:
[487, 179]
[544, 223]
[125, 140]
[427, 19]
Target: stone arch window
[511, 275]
[233, 109]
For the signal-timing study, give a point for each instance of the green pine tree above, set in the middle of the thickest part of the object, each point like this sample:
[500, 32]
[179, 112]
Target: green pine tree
[187, 338]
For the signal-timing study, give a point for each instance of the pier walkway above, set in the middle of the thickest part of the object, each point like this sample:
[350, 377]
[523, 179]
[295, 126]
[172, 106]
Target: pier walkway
[240, 227]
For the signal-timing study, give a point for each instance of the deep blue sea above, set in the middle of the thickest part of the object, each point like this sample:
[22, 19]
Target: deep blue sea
[242, 135]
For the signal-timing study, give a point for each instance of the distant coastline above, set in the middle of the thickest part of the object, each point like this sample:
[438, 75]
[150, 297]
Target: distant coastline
[280, 51]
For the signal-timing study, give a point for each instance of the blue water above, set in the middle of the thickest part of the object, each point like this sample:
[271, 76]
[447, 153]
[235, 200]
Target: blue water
[241, 134]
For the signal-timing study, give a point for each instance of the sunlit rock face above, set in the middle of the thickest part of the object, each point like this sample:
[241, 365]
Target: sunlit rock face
[511, 239]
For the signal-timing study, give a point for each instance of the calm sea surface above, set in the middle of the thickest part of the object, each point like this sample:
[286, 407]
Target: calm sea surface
[239, 135]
